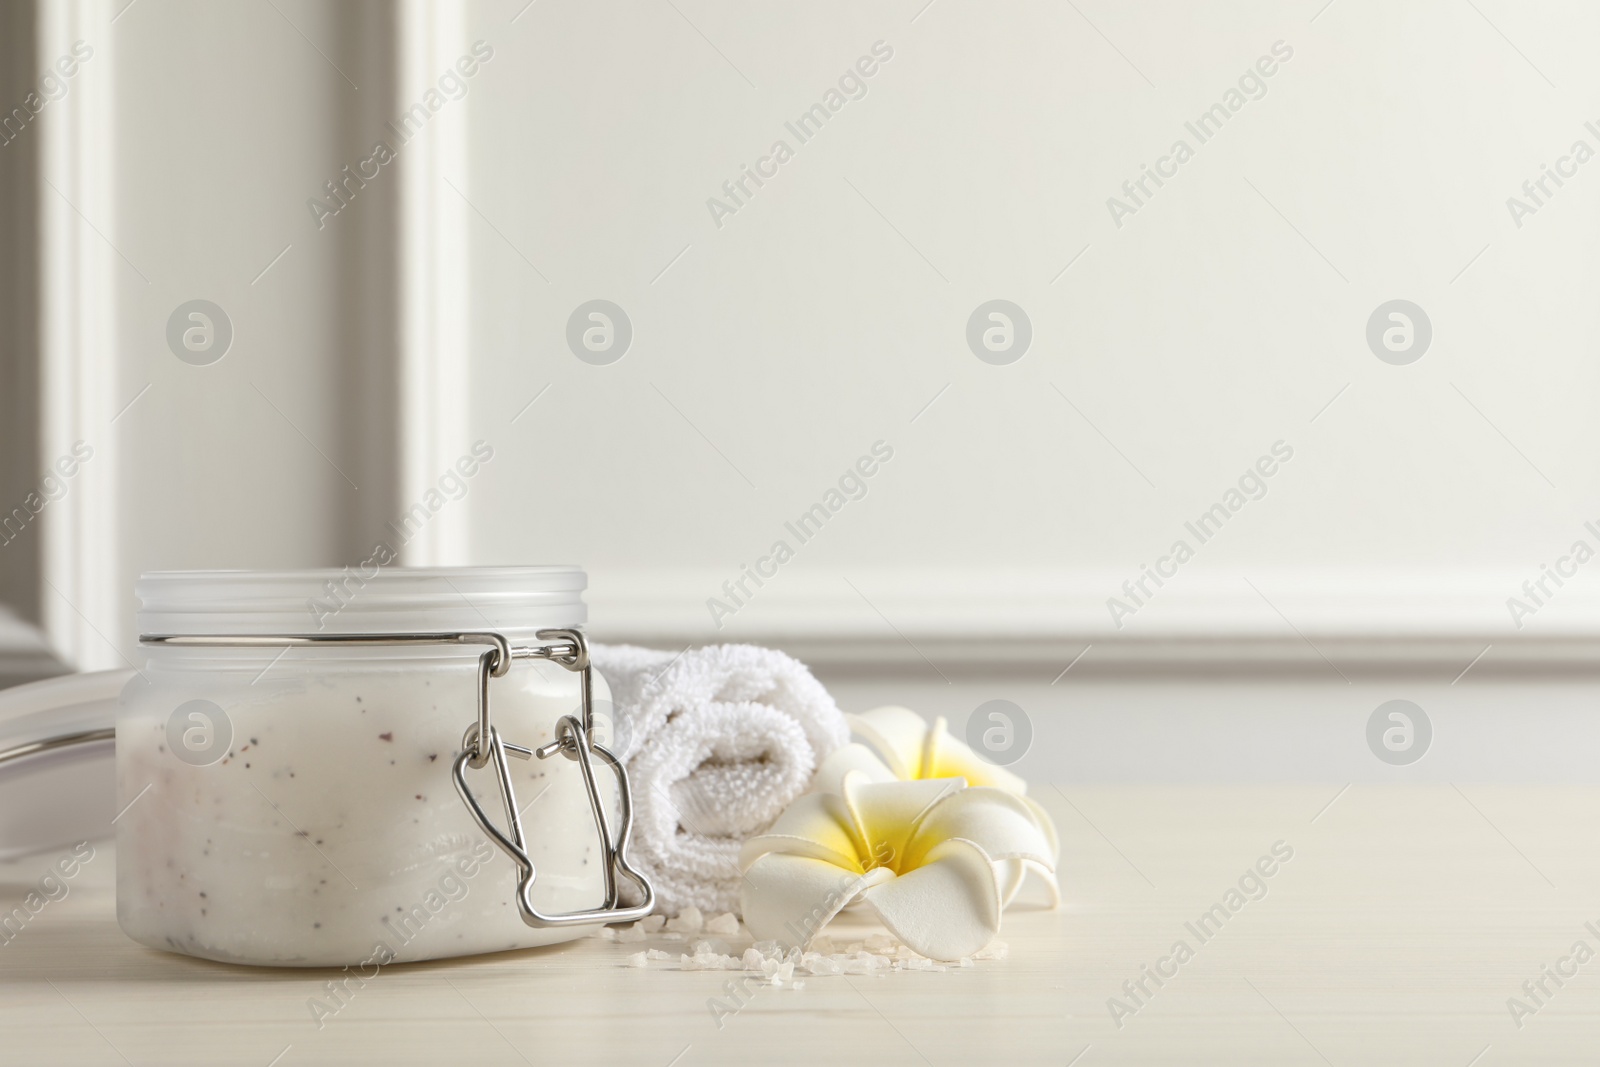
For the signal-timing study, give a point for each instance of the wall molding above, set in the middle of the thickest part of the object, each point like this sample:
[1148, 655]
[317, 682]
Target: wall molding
[962, 621]
[435, 294]
[82, 583]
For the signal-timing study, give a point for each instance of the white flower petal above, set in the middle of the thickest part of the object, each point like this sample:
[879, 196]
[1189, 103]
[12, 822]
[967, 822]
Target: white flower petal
[789, 899]
[1047, 824]
[948, 908]
[944, 756]
[1012, 875]
[887, 814]
[930, 749]
[820, 817]
[852, 757]
[793, 845]
[998, 822]
[1009, 876]
[1048, 876]
[897, 733]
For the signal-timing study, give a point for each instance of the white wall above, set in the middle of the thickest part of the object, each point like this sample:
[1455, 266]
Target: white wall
[771, 352]
[1219, 319]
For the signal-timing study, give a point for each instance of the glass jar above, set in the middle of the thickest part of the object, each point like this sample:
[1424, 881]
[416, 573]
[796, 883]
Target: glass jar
[292, 804]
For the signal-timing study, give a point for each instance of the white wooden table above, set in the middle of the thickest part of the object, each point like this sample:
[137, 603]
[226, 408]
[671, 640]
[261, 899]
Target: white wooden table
[1395, 935]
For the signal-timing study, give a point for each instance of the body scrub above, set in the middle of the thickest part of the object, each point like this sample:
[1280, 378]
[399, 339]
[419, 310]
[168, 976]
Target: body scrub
[297, 796]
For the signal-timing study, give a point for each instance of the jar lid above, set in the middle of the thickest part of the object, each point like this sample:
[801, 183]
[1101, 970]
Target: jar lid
[515, 601]
[57, 780]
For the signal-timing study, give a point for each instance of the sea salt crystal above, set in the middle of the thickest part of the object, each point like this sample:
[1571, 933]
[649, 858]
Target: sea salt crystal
[652, 923]
[689, 921]
[710, 961]
[866, 963]
[782, 966]
[607, 934]
[817, 963]
[724, 925]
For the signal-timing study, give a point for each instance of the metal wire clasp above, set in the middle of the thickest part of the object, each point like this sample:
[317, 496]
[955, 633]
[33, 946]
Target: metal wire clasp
[575, 740]
[482, 746]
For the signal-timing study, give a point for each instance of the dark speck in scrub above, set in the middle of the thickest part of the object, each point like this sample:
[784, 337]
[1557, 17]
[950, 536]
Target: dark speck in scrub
[421, 797]
[386, 737]
[432, 756]
[358, 700]
[253, 741]
[316, 926]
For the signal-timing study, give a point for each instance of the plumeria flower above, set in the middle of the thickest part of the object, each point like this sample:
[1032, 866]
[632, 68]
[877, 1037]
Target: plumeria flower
[905, 748]
[921, 854]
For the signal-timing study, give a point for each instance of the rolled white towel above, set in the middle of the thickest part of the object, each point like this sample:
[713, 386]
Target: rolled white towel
[717, 741]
